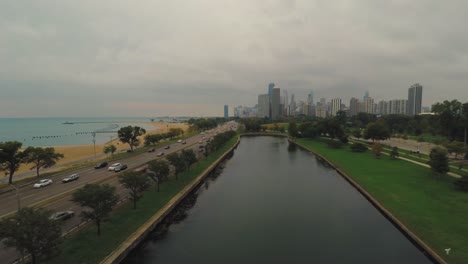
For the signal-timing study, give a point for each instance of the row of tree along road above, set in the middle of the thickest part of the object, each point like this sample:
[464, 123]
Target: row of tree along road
[32, 231]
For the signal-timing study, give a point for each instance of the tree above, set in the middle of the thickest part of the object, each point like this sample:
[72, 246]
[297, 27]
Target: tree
[377, 149]
[376, 131]
[456, 147]
[41, 157]
[136, 183]
[10, 158]
[159, 171]
[177, 161]
[130, 134]
[356, 133]
[292, 129]
[438, 160]
[189, 157]
[99, 198]
[449, 116]
[31, 231]
[394, 153]
[110, 149]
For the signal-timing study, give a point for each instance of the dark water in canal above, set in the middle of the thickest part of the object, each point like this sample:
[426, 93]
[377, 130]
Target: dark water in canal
[271, 205]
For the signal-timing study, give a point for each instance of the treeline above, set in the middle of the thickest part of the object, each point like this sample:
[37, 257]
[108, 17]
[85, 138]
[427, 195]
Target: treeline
[205, 123]
[155, 138]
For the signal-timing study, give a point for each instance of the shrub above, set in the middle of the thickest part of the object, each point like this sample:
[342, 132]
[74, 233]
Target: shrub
[421, 139]
[462, 183]
[344, 139]
[334, 143]
[358, 147]
[404, 137]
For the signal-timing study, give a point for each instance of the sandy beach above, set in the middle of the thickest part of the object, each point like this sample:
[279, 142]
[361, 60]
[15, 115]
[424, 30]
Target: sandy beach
[86, 152]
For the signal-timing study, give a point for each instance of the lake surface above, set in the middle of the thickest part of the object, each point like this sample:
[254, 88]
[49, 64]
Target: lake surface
[41, 132]
[271, 205]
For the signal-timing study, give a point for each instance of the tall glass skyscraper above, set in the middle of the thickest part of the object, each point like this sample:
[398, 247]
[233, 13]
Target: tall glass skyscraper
[414, 99]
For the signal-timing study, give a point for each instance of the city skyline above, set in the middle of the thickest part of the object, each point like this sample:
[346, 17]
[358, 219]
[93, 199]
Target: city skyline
[186, 58]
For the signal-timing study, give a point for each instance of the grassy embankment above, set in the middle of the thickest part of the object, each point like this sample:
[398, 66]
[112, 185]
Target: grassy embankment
[421, 157]
[86, 247]
[430, 206]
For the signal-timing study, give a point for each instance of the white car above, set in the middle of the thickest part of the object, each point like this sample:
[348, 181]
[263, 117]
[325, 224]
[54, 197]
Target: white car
[42, 183]
[112, 167]
[179, 141]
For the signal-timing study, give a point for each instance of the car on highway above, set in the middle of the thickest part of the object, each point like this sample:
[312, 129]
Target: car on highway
[42, 183]
[151, 150]
[70, 178]
[160, 154]
[101, 165]
[167, 147]
[179, 141]
[62, 215]
[184, 142]
[112, 167]
[120, 167]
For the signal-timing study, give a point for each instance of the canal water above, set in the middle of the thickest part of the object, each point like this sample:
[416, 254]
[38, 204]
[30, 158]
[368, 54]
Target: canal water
[274, 205]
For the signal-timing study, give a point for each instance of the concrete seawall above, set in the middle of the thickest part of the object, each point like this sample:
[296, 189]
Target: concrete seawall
[395, 221]
[138, 236]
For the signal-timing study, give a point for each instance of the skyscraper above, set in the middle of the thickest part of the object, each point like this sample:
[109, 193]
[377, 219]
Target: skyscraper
[226, 111]
[335, 106]
[414, 99]
[263, 106]
[270, 89]
[275, 104]
[353, 106]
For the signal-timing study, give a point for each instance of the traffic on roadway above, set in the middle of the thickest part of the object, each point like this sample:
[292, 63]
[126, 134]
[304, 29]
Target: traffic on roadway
[55, 193]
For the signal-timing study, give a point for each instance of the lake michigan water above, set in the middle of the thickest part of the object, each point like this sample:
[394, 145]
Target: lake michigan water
[53, 131]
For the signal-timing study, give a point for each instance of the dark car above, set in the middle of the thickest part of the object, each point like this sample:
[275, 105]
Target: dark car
[62, 215]
[167, 147]
[120, 167]
[101, 165]
[151, 150]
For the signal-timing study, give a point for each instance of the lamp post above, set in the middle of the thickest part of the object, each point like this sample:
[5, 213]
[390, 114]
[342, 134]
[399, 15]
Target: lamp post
[94, 143]
[17, 195]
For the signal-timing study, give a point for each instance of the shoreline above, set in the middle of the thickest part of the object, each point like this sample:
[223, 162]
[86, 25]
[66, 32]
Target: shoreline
[78, 153]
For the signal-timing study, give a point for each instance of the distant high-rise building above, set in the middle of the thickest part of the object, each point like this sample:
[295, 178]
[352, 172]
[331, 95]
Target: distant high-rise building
[321, 110]
[292, 106]
[275, 104]
[335, 106]
[369, 105]
[397, 107]
[310, 98]
[414, 99]
[270, 89]
[353, 107]
[226, 111]
[366, 95]
[284, 102]
[263, 109]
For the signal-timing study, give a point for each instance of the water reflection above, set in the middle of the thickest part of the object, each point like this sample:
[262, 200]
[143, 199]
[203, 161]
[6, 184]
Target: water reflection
[270, 205]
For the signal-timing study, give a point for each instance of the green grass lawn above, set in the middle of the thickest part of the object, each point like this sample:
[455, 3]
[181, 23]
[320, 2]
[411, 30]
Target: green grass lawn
[430, 206]
[86, 247]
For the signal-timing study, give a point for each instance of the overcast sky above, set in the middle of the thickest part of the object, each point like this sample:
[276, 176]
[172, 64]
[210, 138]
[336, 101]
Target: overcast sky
[115, 58]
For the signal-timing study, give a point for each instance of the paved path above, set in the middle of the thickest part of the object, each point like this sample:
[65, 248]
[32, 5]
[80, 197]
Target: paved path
[413, 145]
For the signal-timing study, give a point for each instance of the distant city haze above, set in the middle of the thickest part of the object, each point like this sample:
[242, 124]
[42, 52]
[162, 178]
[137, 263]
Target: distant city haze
[191, 57]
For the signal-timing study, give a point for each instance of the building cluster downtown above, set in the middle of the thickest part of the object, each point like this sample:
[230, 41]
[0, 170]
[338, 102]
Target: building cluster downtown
[275, 104]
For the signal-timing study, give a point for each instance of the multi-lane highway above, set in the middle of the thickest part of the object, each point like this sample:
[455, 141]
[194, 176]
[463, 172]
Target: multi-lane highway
[57, 196]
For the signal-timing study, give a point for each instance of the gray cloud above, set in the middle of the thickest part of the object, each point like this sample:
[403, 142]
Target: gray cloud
[146, 58]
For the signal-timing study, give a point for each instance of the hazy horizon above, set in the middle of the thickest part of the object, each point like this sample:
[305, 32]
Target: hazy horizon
[189, 58]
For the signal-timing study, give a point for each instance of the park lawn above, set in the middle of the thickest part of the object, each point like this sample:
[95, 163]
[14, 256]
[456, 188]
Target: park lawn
[86, 247]
[428, 205]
